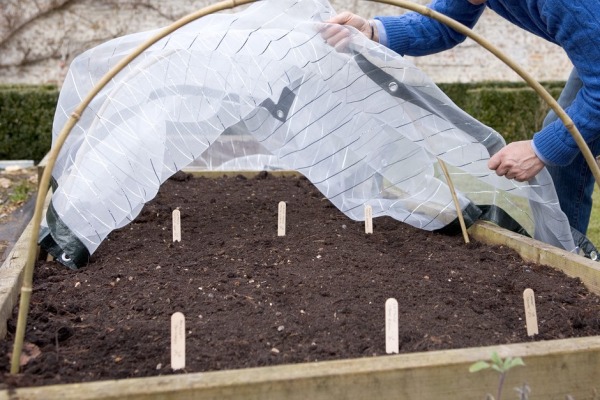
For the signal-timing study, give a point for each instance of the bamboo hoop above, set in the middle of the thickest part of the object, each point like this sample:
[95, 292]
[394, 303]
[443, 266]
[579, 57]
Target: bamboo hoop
[26, 287]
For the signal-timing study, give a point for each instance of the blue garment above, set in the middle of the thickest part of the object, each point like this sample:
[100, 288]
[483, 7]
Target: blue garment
[574, 184]
[573, 25]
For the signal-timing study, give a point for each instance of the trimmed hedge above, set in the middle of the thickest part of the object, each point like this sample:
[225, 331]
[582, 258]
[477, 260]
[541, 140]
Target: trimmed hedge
[26, 115]
[513, 109]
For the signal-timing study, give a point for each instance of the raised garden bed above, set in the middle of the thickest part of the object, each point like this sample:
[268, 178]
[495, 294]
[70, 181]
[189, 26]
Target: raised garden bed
[301, 316]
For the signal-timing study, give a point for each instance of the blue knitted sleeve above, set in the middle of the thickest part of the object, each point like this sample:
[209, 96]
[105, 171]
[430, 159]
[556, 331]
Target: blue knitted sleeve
[414, 34]
[575, 26]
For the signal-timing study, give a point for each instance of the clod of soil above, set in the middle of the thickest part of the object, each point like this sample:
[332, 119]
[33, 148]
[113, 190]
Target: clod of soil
[252, 298]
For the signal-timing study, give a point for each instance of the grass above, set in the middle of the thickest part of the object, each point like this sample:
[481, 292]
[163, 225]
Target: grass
[21, 192]
[22, 185]
[593, 232]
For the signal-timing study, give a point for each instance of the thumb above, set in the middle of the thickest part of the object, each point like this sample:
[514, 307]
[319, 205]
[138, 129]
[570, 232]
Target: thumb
[494, 161]
[343, 18]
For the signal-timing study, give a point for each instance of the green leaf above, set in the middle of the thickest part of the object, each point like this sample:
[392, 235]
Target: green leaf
[496, 359]
[498, 368]
[513, 362]
[478, 366]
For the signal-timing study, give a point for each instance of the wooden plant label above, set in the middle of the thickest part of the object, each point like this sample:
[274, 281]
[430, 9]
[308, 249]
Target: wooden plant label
[530, 313]
[176, 226]
[281, 219]
[368, 219]
[177, 341]
[391, 326]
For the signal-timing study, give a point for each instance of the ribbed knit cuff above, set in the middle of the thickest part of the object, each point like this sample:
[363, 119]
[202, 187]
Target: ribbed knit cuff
[397, 34]
[540, 155]
[551, 149]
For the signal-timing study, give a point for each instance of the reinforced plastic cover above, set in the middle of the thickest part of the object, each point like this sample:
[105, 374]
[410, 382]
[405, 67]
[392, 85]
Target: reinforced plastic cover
[261, 90]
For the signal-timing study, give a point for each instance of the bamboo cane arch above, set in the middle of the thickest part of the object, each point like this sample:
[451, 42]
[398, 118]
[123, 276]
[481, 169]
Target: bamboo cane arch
[26, 287]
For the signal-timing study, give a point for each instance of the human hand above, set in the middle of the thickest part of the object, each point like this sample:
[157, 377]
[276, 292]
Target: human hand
[516, 161]
[336, 31]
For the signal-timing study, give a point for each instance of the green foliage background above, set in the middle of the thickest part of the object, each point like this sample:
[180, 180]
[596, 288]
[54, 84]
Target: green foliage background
[26, 114]
[513, 109]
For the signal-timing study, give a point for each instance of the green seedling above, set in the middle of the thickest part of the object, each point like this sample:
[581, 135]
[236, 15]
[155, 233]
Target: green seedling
[20, 193]
[500, 365]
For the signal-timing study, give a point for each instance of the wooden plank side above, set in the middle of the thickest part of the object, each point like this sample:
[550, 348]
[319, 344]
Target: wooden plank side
[11, 274]
[42, 166]
[535, 251]
[553, 370]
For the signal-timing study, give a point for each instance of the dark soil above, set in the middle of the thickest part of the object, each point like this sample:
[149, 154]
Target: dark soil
[252, 298]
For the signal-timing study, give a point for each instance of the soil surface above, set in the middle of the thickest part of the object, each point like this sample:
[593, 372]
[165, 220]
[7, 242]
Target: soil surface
[252, 298]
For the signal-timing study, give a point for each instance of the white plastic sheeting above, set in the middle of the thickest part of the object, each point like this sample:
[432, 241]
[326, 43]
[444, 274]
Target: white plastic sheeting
[260, 89]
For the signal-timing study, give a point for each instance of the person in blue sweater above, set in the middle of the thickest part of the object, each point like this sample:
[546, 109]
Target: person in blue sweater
[573, 25]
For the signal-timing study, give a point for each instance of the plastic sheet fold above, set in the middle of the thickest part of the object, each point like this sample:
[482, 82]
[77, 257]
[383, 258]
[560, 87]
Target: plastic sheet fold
[261, 90]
